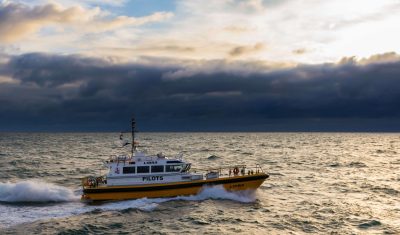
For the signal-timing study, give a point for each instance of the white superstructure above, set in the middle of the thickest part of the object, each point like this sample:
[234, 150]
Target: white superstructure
[146, 169]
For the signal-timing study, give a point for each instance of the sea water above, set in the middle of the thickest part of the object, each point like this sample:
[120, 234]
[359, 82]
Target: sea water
[345, 183]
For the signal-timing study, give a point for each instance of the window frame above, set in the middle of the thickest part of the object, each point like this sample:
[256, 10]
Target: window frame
[167, 167]
[162, 166]
[128, 168]
[142, 167]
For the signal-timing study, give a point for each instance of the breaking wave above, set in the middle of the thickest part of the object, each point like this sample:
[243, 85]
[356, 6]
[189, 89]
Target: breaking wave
[149, 204]
[35, 191]
[218, 192]
[32, 191]
[213, 157]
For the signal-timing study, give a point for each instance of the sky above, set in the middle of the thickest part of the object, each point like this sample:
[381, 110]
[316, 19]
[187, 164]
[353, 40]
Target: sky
[195, 65]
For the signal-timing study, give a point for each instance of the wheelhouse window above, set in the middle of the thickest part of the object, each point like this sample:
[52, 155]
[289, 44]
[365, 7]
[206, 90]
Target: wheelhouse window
[173, 168]
[143, 169]
[158, 168]
[128, 170]
[173, 161]
[186, 167]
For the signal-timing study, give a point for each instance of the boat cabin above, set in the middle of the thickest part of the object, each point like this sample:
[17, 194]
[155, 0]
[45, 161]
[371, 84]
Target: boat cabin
[142, 169]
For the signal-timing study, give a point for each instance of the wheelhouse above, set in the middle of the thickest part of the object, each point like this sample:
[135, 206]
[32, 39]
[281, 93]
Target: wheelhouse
[155, 169]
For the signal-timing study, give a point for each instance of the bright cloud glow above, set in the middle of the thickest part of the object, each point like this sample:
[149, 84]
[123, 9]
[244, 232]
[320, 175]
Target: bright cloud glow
[287, 31]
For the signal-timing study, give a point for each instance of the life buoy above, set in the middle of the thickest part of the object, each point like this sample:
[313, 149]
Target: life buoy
[236, 171]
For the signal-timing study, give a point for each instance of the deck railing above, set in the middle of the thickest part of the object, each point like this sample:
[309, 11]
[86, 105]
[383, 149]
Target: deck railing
[232, 171]
[93, 182]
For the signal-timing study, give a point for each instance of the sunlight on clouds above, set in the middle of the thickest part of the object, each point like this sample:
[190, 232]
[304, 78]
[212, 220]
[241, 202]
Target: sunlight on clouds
[101, 2]
[19, 20]
[194, 67]
[102, 25]
[6, 79]
[287, 31]
[71, 3]
[322, 31]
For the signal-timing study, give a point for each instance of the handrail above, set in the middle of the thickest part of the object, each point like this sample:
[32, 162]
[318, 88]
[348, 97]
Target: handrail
[125, 158]
[93, 182]
[230, 167]
[230, 170]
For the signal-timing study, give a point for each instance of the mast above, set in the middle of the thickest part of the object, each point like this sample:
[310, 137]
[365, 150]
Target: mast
[133, 135]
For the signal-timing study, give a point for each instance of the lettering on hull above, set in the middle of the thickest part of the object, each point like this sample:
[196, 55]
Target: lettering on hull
[152, 178]
[236, 186]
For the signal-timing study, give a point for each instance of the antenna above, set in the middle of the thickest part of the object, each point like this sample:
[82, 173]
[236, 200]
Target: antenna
[133, 135]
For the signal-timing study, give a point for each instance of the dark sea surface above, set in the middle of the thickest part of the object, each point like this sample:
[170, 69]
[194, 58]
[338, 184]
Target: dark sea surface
[340, 183]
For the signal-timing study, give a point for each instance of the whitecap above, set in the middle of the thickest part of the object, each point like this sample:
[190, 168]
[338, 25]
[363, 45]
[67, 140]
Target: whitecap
[35, 191]
[213, 192]
[32, 191]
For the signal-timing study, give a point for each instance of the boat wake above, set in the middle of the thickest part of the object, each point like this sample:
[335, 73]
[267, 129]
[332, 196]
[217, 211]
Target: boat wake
[35, 191]
[62, 202]
[218, 192]
[149, 204]
[28, 201]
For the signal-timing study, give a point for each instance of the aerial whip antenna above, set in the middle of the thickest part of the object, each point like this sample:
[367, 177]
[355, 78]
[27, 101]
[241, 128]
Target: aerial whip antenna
[133, 135]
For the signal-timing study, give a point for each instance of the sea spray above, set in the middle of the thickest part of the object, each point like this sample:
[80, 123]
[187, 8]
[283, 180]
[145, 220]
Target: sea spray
[13, 214]
[212, 192]
[21, 200]
[218, 192]
[35, 191]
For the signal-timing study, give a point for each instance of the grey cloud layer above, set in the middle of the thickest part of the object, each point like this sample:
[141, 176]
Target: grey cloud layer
[71, 90]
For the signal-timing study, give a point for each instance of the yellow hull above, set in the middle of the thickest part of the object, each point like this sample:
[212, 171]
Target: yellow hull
[236, 183]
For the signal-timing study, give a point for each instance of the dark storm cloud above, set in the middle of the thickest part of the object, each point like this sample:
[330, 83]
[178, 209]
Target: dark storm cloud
[67, 92]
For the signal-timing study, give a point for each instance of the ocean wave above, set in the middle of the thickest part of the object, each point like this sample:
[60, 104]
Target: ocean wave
[32, 191]
[357, 164]
[213, 192]
[218, 192]
[35, 191]
[213, 157]
[369, 224]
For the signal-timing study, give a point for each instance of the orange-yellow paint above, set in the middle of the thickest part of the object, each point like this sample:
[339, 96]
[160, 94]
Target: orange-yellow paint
[236, 186]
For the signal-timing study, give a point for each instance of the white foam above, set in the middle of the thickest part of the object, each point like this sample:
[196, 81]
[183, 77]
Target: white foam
[13, 214]
[32, 191]
[148, 204]
[35, 191]
[218, 192]
[145, 204]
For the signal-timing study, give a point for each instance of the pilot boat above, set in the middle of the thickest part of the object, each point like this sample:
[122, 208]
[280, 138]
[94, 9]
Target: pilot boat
[139, 175]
